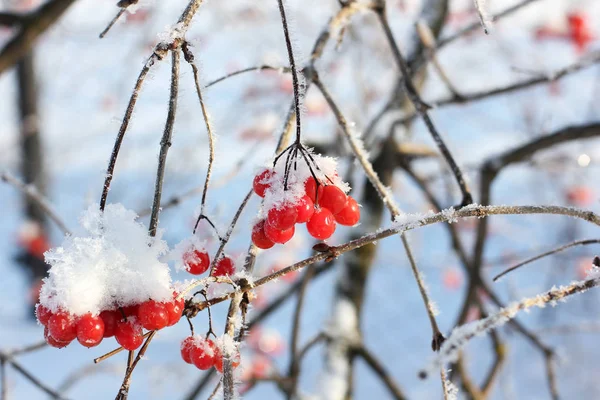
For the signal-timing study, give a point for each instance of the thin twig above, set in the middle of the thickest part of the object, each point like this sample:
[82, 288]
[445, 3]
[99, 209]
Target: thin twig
[111, 23]
[243, 71]
[358, 150]
[296, 84]
[156, 56]
[33, 194]
[547, 253]
[165, 143]
[189, 57]
[381, 372]
[421, 109]
[294, 366]
[35, 381]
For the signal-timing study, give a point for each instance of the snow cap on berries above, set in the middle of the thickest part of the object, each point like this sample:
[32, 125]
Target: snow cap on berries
[113, 263]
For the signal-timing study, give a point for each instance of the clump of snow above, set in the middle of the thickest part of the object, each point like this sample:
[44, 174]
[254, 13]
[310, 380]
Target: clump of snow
[277, 194]
[113, 263]
[411, 221]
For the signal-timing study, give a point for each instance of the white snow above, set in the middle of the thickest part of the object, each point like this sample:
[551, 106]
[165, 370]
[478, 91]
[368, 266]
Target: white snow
[112, 263]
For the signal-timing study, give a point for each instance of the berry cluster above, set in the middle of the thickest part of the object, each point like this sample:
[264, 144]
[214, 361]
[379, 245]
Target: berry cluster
[321, 206]
[204, 353]
[124, 323]
[197, 262]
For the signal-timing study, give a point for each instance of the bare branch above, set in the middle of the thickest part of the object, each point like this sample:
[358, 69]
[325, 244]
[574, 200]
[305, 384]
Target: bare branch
[32, 193]
[165, 142]
[380, 371]
[547, 253]
[33, 25]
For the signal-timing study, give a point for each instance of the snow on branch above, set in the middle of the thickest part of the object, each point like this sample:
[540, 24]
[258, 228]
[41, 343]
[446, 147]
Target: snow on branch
[461, 335]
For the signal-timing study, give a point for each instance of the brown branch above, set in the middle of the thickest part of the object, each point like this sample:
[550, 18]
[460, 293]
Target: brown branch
[34, 195]
[294, 366]
[380, 371]
[421, 108]
[26, 374]
[165, 143]
[417, 222]
[33, 25]
[547, 253]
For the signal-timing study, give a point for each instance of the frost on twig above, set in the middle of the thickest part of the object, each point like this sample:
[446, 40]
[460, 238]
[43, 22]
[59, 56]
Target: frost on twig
[461, 335]
[484, 17]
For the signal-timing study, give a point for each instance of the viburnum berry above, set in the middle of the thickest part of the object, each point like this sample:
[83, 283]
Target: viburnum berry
[131, 310]
[279, 235]
[202, 354]
[350, 214]
[90, 330]
[322, 224]
[43, 314]
[129, 334]
[110, 319]
[53, 342]
[260, 184]
[223, 267]
[153, 315]
[235, 362]
[174, 310]
[62, 327]
[259, 237]
[310, 187]
[196, 261]
[334, 199]
[306, 208]
[283, 217]
[186, 348]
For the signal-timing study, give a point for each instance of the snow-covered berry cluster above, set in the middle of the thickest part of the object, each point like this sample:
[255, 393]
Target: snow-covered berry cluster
[295, 197]
[126, 324]
[108, 281]
[204, 353]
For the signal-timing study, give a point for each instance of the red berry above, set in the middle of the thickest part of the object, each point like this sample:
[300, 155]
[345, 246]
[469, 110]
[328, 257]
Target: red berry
[350, 214]
[260, 183]
[53, 342]
[196, 261]
[62, 327]
[131, 310]
[129, 334]
[224, 267]
[310, 187]
[322, 224]
[153, 315]
[174, 310]
[202, 354]
[278, 235]
[110, 319]
[259, 238]
[186, 348]
[334, 199]
[306, 208]
[219, 360]
[43, 314]
[283, 217]
[90, 330]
